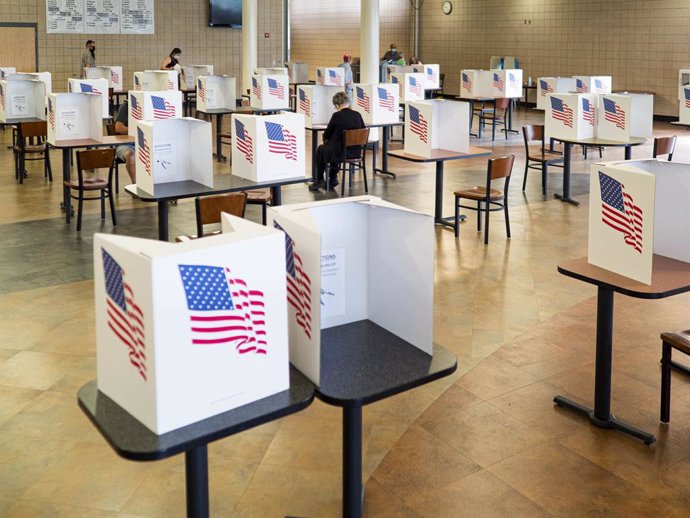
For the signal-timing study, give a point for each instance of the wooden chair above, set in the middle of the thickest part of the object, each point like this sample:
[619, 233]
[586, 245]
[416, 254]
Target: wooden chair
[110, 131]
[539, 158]
[664, 146]
[497, 168]
[495, 117]
[261, 197]
[209, 208]
[25, 145]
[354, 138]
[88, 160]
[681, 342]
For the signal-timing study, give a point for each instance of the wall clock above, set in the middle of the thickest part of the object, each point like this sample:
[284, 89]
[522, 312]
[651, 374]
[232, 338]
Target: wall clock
[447, 7]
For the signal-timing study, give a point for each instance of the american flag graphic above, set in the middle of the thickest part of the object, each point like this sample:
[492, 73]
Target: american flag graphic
[137, 83]
[618, 211]
[430, 75]
[334, 78]
[114, 77]
[125, 318]
[89, 89]
[200, 90]
[581, 86]
[614, 113]
[363, 99]
[545, 88]
[136, 109]
[498, 82]
[394, 79]
[319, 76]
[51, 113]
[244, 141]
[298, 284]
[256, 88]
[466, 82]
[304, 102]
[224, 309]
[415, 86]
[144, 153]
[281, 141]
[589, 112]
[685, 91]
[385, 99]
[599, 87]
[561, 112]
[418, 124]
[2, 97]
[162, 108]
[275, 88]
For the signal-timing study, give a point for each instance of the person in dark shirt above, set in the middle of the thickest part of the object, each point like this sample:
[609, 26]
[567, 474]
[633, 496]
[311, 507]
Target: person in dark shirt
[331, 151]
[392, 54]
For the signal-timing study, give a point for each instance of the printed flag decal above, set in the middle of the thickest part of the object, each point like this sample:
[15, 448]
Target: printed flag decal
[363, 100]
[244, 141]
[304, 102]
[589, 112]
[618, 211]
[385, 99]
[144, 153]
[614, 113]
[466, 81]
[256, 88]
[162, 109]
[560, 111]
[136, 109]
[275, 89]
[281, 141]
[418, 124]
[545, 88]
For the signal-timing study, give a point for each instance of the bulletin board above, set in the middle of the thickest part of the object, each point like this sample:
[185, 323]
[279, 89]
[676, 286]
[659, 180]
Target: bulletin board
[100, 16]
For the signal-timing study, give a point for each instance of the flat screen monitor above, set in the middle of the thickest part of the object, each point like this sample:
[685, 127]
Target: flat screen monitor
[225, 13]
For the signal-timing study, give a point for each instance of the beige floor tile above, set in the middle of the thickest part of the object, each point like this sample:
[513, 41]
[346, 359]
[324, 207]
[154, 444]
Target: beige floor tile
[14, 399]
[36, 370]
[493, 377]
[378, 503]
[42, 510]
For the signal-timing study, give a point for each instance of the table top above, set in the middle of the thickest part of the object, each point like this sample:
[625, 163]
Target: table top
[132, 440]
[441, 155]
[108, 141]
[669, 277]
[644, 92]
[533, 85]
[12, 122]
[362, 362]
[634, 141]
[217, 111]
[322, 127]
[222, 183]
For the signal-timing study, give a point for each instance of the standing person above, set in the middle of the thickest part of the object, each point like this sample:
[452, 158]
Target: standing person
[331, 151]
[172, 62]
[348, 74]
[392, 54]
[125, 152]
[88, 57]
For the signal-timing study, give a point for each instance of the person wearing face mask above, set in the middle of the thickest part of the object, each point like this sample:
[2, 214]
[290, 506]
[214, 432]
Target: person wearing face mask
[172, 62]
[88, 57]
[392, 54]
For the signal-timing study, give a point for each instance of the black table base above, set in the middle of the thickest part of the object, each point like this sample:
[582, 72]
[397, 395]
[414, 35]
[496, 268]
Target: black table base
[439, 219]
[565, 197]
[384, 155]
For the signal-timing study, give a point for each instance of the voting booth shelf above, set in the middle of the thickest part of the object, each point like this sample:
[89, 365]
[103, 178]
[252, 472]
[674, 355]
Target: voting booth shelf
[173, 150]
[112, 73]
[186, 331]
[506, 83]
[269, 147]
[5, 71]
[432, 75]
[622, 116]
[411, 86]
[437, 124]
[144, 106]
[552, 85]
[216, 92]
[593, 84]
[316, 103]
[156, 80]
[476, 84]
[571, 116]
[92, 86]
[298, 72]
[192, 72]
[22, 99]
[270, 92]
[377, 103]
[74, 116]
[335, 274]
[637, 209]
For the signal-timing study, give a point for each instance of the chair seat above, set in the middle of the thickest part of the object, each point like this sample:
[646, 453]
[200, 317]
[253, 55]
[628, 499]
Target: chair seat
[90, 184]
[479, 193]
[355, 160]
[31, 148]
[259, 196]
[192, 237]
[679, 340]
[545, 156]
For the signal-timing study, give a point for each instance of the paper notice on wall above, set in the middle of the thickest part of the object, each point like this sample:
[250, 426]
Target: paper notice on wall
[333, 283]
[164, 160]
[136, 17]
[102, 16]
[69, 123]
[19, 106]
[65, 16]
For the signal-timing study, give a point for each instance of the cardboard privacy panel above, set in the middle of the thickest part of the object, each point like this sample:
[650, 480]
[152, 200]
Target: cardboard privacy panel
[506, 83]
[5, 71]
[331, 76]
[316, 103]
[173, 150]
[112, 74]
[395, 69]
[437, 124]
[92, 86]
[411, 86]
[144, 106]
[215, 92]
[269, 147]
[571, 116]
[74, 116]
[432, 75]
[191, 72]
[476, 83]
[378, 103]
[298, 72]
[335, 274]
[269, 71]
[187, 331]
[270, 92]
[22, 99]
[552, 85]
[684, 110]
[46, 77]
[622, 116]
[156, 80]
[593, 84]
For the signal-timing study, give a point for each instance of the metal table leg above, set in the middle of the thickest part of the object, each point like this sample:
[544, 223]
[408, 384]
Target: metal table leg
[352, 460]
[438, 200]
[66, 172]
[196, 470]
[628, 152]
[276, 196]
[219, 129]
[567, 151]
[510, 129]
[314, 145]
[384, 154]
[163, 220]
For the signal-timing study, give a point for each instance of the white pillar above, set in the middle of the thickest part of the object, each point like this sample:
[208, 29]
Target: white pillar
[369, 41]
[250, 23]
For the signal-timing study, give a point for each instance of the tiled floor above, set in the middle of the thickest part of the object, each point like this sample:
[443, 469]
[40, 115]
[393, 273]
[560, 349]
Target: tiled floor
[485, 442]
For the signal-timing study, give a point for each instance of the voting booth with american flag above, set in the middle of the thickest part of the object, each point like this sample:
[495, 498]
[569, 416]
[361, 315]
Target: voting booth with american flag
[684, 106]
[186, 331]
[269, 147]
[334, 263]
[191, 72]
[377, 103]
[395, 69]
[638, 208]
[571, 116]
[506, 83]
[270, 92]
[552, 85]
[156, 80]
[74, 116]
[411, 86]
[92, 86]
[144, 106]
[622, 116]
[6, 71]
[173, 150]
[268, 71]
[432, 75]
[316, 103]
[330, 76]
[216, 92]
[593, 84]
[113, 74]
[437, 124]
[46, 77]
[22, 99]
[476, 83]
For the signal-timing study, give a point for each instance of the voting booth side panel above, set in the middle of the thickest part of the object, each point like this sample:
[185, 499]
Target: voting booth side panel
[92, 86]
[450, 129]
[143, 149]
[614, 117]
[684, 107]
[561, 116]
[419, 128]
[75, 116]
[671, 210]
[244, 146]
[641, 115]
[621, 221]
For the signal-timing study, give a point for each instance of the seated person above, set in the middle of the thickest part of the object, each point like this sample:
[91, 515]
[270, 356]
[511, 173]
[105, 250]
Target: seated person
[125, 152]
[331, 151]
[392, 54]
[415, 61]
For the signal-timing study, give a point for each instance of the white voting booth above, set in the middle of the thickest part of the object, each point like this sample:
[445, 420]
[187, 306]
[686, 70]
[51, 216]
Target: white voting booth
[191, 72]
[269, 71]
[269, 147]
[298, 72]
[395, 69]
[330, 76]
[270, 92]
[144, 106]
[378, 103]
[316, 103]
[622, 116]
[22, 99]
[156, 80]
[432, 75]
[5, 71]
[173, 150]
[638, 208]
[571, 116]
[92, 86]
[337, 273]
[46, 77]
[215, 92]
[593, 84]
[112, 74]
[165, 353]
[506, 83]
[476, 83]
[437, 124]
[74, 116]
[552, 85]
[684, 107]
[683, 81]
[411, 86]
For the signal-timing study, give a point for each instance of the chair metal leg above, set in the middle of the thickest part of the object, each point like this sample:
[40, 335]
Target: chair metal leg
[263, 213]
[479, 216]
[364, 174]
[524, 180]
[102, 204]
[80, 206]
[342, 183]
[457, 216]
[493, 128]
[352, 173]
[544, 171]
[111, 200]
[505, 209]
[486, 224]
[665, 412]
[49, 165]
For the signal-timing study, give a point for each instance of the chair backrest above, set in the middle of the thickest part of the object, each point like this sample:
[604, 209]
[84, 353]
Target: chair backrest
[33, 129]
[356, 137]
[531, 133]
[500, 168]
[110, 129]
[502, 103]
[664, 146]
[209, 208]
[95, 159]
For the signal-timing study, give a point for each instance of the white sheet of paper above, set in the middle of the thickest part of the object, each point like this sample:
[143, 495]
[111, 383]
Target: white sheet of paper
[332, 282]
[19, 105]
[210, 96]
[164, 159]
[69, 122]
